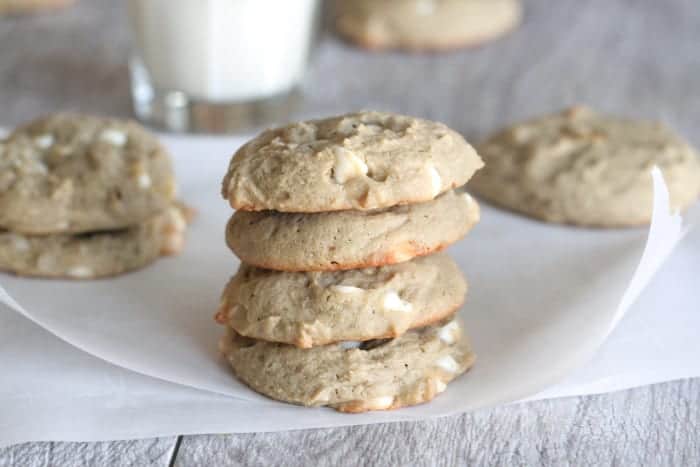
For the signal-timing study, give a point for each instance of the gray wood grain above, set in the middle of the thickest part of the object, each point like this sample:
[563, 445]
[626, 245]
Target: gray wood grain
[637, 57]
[656, 425]
[150, 452]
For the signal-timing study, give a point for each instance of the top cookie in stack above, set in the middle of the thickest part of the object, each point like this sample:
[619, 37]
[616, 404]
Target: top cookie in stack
[84, 197]
[332, 217]
[362, 161]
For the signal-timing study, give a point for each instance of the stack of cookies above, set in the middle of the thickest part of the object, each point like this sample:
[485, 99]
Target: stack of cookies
[83, 197]
[342, 299]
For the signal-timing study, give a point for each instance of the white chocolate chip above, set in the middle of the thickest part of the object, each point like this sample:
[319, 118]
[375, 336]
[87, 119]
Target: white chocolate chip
[379, 403]
[346, 289]
[113, 137]
[468, 199]
[347, 345]
[19, 243]
[176, 220]
[173, 232]
[347, 166]
[144, 181]
[447, 363]
[439, 386]
[393, 302]
[449, 332]
[80, 272]
[435, 181]
[44, 141]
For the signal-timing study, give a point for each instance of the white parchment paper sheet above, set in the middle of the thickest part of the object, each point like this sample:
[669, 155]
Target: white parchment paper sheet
[543, 298]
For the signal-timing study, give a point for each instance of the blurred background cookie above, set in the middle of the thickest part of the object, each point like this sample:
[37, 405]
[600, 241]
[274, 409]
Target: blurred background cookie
[70, 173]
[585, 168]
[97, 254]
[425, 24]
[83, 197]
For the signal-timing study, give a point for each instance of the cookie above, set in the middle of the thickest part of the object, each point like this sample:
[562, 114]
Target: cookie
[93, 255]
[70, 173]
[316, 308]
[363, 161]
[351, 376]
[13, 7]
[587, 169]
[341, 240]
[420, 25]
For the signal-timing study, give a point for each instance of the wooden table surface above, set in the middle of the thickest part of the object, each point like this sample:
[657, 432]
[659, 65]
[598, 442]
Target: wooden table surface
[637, 57]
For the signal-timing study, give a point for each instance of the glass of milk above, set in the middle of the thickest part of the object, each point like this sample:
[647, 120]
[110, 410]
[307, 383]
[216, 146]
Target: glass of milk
[219, 65]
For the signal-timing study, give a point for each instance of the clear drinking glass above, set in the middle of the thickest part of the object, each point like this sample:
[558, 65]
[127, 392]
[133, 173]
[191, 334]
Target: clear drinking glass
[219, 65]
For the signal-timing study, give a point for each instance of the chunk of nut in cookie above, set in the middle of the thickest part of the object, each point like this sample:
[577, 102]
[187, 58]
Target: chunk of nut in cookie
[347, 166]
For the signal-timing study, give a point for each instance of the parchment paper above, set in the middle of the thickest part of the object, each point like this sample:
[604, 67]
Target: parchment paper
[542, 299]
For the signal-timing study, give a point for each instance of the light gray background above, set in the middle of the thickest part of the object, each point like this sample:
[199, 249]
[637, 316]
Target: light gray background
[637, 57]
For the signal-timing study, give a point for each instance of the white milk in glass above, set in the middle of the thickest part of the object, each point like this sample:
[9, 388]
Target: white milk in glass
[223, 51]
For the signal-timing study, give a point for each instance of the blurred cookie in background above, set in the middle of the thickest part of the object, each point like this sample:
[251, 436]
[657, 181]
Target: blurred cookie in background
[425, 25]
[83, 197]
[71, 173]
[584, 168]
[22, 7]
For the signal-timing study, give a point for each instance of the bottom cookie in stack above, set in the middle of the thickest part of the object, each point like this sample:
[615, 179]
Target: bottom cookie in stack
[354, 376]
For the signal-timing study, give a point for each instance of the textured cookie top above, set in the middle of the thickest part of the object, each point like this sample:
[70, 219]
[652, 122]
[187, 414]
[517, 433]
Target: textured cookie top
[425, 24]
[73, 173]
[316, 308]
[366, 160]
[330, 241]
[354, 377]
[93, 255]
[585, 168]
